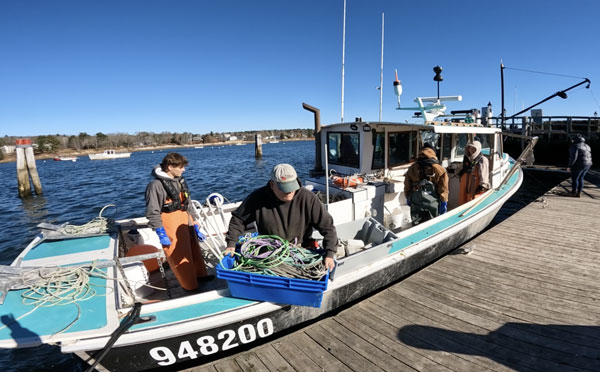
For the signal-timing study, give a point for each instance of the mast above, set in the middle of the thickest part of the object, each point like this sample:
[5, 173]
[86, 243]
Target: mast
[381, 71]
[343, 57]
[502, 93]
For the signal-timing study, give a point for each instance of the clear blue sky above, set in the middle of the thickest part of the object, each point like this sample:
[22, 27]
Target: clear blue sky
[199, 66]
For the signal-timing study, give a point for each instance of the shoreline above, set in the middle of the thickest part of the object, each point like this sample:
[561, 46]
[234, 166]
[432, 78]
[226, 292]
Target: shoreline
[8, 158]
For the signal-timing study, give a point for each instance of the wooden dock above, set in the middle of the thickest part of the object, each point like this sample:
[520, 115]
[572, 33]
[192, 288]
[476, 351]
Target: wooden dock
[522, 296]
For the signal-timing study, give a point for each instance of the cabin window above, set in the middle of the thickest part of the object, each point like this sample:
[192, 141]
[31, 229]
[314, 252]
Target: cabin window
[486, 140]
[343, 149]
[461, 141]
[446, 146]
[431, 138]
[378, 151]
[402, 147]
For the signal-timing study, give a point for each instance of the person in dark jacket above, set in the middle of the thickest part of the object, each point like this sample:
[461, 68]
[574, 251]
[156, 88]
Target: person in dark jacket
[285, 209]
[167, 202]
[426, 187]
[580, 161]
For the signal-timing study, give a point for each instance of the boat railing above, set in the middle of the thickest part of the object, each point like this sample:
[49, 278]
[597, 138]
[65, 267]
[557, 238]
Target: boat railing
[551, 128]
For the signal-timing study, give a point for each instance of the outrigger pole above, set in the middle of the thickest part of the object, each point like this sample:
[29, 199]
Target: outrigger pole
[562, 94]
[343, 57]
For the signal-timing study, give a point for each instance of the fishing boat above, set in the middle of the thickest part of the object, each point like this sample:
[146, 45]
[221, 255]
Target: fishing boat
[119, 322]
[66, 158]
[109, 154]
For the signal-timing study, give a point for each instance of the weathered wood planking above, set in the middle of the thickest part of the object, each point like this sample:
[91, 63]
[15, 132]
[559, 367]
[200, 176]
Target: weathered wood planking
[526, 298]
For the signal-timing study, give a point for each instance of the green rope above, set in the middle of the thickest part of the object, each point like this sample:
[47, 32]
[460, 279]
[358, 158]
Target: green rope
[271, 255]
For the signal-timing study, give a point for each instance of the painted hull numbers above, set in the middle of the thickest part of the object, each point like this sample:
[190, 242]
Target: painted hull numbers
[207, 345]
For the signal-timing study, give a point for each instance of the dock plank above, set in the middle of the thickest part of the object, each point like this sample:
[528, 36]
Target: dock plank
[527, 298]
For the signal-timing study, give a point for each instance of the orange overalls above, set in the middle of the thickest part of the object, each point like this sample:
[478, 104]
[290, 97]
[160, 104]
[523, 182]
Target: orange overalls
[184, 254]
[469, 184]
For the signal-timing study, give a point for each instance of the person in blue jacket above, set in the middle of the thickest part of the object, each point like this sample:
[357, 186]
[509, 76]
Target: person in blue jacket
[580, 161]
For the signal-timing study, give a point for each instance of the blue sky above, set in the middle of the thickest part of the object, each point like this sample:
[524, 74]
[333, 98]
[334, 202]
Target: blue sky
[199, 66]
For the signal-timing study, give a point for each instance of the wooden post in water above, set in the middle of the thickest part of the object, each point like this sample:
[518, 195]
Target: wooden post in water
[26, 168]
[257, 146]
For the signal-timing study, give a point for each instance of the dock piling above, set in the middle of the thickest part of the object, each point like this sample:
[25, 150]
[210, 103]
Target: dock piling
[27, 169]
[257, 146]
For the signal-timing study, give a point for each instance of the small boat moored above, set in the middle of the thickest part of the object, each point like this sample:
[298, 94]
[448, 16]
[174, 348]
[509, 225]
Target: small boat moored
[109, 154]
[66, 158]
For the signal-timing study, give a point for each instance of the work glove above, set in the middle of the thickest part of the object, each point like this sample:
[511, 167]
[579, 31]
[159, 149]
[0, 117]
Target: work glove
[162, 236]
[199, 234]
[443, 207]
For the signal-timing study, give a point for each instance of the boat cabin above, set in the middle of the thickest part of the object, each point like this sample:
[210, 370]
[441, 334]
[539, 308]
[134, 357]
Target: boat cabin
[371, 158]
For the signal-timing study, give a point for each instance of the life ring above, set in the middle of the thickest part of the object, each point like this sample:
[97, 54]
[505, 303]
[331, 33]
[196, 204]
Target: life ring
[348, 181]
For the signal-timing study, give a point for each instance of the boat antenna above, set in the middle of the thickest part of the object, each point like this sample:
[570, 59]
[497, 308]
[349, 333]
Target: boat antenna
[343, 57]
[502, 112]
[438, 77]
[381, 71]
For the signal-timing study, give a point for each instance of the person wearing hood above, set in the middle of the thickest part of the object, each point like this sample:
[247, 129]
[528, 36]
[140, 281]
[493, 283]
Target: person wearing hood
[426, 187]
[580, 162]
[474, 174]
[285, 209]
[167, 202]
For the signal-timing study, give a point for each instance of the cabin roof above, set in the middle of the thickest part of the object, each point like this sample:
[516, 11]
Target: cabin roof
[438, 127]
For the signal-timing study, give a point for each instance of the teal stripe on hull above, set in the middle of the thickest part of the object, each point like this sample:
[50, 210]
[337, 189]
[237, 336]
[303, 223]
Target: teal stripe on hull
[192, 311]
[46, 321]
[48, 249]
[444, 224]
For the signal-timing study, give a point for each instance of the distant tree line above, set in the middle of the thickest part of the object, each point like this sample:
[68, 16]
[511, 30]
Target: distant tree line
[85, 141]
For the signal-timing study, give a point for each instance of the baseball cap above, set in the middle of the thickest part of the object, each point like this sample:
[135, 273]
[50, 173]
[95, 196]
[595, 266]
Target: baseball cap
[284, 175]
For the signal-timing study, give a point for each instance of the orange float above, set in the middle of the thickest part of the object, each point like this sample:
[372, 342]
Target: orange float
[348, 181]
[150, 264]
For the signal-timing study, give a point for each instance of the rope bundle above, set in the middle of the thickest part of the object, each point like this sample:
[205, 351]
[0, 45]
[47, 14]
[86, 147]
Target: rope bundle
[274, 256]
[98, 225]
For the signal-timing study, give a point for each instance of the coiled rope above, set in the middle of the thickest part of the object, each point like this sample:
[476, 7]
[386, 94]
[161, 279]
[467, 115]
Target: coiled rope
[97, 225]
[274, 256]
[57, 286]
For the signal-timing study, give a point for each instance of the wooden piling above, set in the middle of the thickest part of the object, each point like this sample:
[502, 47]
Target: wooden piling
[257, 146]
[26, 169]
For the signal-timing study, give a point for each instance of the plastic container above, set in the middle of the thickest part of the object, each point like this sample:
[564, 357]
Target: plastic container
[302, 292]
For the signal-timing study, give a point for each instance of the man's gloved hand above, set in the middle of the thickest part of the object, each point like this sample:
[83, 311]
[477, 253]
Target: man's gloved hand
[162, 236]
[408, 202]
[199, 234]
[443, 207]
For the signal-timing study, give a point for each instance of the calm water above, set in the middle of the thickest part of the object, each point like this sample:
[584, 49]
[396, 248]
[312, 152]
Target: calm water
[75, 193]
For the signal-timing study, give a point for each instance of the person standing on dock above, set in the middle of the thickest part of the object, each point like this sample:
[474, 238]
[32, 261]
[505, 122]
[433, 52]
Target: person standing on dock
[580, 162]
[167, 202]
[285, 209]
[426, 187]
[474, 174]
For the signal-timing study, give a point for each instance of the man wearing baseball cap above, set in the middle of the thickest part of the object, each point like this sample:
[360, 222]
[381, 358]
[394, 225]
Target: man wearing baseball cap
[285, 209]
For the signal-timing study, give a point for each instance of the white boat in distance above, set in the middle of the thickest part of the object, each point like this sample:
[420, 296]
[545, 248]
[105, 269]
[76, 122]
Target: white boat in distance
[109, 154]
[66, 158]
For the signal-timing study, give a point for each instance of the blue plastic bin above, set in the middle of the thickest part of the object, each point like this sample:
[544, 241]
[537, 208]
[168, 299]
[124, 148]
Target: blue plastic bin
[303, 292]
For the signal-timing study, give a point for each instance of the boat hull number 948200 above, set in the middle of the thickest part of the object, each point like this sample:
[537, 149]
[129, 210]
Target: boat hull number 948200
[207, 345]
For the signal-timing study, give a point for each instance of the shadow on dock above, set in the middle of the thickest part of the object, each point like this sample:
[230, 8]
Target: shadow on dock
[519, 346]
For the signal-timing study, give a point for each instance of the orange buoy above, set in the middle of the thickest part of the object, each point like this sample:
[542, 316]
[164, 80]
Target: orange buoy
[150, 264]
[348, 181]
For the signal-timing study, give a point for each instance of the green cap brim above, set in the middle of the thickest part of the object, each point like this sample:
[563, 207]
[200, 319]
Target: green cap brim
[288, 187]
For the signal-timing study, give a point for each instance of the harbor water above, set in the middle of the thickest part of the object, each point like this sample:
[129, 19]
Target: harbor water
[75, 192]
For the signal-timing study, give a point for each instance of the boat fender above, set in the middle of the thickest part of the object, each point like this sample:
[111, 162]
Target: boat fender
[348, 181]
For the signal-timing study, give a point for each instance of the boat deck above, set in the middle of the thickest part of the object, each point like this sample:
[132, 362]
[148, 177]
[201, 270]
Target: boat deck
[522, 296]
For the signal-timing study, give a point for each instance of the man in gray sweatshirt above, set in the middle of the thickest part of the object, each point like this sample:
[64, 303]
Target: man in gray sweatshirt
[285, 209]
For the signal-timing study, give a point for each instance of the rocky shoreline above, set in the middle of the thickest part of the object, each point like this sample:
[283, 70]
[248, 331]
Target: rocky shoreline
[69, 152]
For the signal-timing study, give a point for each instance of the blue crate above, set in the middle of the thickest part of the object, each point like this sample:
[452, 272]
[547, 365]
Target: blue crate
[303, 292]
